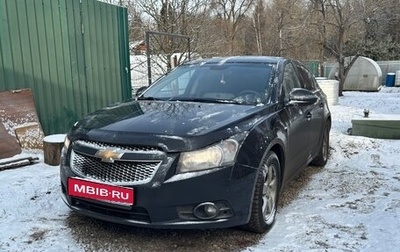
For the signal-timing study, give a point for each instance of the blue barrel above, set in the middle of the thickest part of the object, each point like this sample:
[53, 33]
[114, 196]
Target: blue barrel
[390, 78]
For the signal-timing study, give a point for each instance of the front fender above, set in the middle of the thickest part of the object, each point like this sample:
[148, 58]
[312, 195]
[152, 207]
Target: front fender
[265, 136]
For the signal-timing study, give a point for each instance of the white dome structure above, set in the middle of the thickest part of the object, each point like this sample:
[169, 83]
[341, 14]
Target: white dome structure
[364, 75]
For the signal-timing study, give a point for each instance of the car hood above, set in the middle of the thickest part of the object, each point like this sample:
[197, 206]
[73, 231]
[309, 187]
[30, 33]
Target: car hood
[172, 126]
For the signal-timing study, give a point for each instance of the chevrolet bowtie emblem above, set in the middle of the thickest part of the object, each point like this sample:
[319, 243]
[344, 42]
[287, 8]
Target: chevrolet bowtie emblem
[108, 155]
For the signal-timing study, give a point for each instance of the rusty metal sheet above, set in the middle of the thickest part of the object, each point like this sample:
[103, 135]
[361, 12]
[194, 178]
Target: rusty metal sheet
[8, 145]
[17, 109]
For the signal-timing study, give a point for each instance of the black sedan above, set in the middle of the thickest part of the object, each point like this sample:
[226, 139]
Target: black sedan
[209, 145]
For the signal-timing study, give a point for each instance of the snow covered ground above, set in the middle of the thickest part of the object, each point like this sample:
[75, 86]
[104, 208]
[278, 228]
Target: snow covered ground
[352, 204]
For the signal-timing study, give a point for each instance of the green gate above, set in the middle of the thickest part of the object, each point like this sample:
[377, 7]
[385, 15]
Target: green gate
[73, 54]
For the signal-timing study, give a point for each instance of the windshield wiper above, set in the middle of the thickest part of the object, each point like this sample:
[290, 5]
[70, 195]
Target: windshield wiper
[206, 100]
[150, 98]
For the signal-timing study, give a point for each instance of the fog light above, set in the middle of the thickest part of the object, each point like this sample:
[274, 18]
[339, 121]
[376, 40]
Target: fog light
[207, 210]
[210, 210]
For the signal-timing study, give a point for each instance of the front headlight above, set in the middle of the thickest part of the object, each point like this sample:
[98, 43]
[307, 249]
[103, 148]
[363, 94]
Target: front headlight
[66, 143]
[220, 154]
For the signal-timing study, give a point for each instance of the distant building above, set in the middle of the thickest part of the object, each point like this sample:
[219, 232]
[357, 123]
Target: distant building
[137, 47]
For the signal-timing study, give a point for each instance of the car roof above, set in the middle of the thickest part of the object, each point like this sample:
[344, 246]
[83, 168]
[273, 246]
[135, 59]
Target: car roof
[239, 59]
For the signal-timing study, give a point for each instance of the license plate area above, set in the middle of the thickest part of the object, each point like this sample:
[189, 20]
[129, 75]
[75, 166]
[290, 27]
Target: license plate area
[106, 193]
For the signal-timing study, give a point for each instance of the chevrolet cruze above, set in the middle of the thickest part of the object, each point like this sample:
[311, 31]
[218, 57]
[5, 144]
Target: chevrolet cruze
[208, 145]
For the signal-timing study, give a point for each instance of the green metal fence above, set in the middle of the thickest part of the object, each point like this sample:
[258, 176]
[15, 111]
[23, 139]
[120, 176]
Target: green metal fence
[314, 66]
[73, 54]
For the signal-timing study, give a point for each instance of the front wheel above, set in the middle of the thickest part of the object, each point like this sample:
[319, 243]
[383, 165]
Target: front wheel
[265, 200]
[323, 153]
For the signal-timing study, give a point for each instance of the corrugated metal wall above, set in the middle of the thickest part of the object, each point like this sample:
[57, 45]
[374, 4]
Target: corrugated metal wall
[73, 54]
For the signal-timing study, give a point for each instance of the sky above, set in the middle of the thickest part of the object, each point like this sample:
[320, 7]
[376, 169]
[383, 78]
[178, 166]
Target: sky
[351, 204]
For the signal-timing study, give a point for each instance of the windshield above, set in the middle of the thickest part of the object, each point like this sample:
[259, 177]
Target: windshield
[240, 83]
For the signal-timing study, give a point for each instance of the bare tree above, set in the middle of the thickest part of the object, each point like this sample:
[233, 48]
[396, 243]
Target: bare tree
[231, 13]
[337, 17]
[282, 28]
[179, 17]
[302, 29]
[259, 24]
[380, 29]
[174, 16]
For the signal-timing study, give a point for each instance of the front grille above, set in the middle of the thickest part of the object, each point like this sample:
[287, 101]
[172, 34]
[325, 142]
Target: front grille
[119, 172]
[99, 145]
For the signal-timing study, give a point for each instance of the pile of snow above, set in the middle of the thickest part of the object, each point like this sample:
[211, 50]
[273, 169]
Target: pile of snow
[352, 204]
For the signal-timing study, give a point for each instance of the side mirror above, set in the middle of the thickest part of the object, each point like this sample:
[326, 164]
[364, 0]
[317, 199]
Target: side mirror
[302, 96]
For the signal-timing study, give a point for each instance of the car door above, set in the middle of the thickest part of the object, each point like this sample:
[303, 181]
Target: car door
[315, 112]
[297, 121]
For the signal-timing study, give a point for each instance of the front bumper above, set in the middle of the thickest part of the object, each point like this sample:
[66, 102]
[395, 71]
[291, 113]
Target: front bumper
[177, 201]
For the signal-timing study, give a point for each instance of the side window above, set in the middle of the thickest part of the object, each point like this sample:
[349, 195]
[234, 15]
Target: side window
[290, 79]
[307, 79]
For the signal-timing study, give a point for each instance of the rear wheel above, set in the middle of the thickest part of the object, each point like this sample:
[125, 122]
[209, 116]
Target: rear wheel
[323, 153]
[266, 193]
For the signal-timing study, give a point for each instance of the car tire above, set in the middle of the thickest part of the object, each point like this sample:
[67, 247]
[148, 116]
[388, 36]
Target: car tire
[323, 153]
[265, 200]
